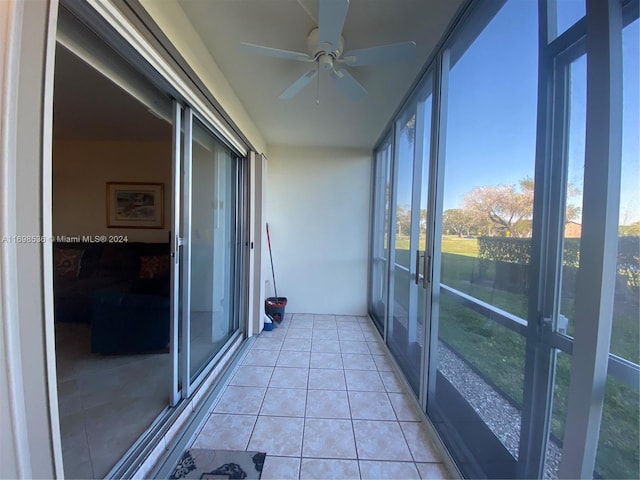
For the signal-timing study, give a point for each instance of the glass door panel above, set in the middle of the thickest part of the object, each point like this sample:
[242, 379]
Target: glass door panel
[477, 366]
[423, 129]
[570, 123]
[380, 235]
[212, 245]
[576, 124]
[405, 330]
[403, 297]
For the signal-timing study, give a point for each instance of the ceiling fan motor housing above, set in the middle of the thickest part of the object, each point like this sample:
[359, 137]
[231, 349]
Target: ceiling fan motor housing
[325, 61]
[317, 50]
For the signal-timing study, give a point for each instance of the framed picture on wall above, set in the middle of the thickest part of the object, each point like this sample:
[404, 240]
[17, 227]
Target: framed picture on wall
[135, 205]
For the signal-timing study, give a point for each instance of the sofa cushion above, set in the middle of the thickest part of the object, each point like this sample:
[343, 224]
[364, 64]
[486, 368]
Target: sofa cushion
[129, 323]
[121, 259]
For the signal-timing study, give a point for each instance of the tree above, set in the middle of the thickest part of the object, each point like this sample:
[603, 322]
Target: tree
[506, 206]
[629, 230]
[403, 220]
[410, 128]
[573, 213]
[458, 221]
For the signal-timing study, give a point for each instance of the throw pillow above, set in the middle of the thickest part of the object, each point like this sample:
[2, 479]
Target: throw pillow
[67, 262]
[153, 266]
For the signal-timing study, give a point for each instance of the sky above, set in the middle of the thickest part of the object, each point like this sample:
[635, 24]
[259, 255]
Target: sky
[630, 201]
[492, 100]
[491, 129]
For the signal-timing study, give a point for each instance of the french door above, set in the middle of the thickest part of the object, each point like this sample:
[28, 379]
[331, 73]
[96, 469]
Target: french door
[410, 218]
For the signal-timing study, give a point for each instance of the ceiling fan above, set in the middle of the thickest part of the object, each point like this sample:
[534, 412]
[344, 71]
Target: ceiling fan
[325, 45]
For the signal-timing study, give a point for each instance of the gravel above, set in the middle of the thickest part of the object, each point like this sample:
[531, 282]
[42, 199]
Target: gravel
[498, 413]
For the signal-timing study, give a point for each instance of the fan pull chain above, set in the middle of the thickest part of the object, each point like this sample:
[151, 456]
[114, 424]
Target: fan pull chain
[318, 84]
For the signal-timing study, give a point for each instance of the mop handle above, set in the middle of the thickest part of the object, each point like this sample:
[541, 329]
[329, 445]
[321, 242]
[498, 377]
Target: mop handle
[273, 275]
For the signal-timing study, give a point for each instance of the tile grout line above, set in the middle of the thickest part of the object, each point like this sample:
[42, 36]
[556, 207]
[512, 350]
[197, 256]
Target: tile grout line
[347, 390]
[264, 398]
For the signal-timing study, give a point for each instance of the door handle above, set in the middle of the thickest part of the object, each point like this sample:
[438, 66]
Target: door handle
[427, 267]
[418, 266]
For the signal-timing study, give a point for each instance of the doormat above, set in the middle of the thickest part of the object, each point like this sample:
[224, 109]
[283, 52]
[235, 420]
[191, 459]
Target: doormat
[219, 464]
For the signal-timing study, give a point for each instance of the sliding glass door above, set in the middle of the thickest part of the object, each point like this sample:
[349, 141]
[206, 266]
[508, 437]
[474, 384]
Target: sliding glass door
[210, 314]
[155, 295]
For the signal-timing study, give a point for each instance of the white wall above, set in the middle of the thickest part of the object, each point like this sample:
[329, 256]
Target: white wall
[318, 215]
[80, 172]
[29, 435]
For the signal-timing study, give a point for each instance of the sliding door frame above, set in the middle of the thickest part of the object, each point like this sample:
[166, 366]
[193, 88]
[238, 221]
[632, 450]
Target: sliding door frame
[380, 178]
[240, 284]
[185, 269]
[433, 245]
[176, 243]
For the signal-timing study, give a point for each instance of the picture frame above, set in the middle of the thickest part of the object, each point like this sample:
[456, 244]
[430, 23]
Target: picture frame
[135, 205]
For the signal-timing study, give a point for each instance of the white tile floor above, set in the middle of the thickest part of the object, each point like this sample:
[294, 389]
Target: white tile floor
[320, 397]
[103, 405]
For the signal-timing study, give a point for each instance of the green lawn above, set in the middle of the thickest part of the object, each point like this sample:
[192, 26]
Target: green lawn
[499, 353]
[450, 244]
[460, 246]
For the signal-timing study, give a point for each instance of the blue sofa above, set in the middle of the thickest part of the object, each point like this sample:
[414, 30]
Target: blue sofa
[129, 323]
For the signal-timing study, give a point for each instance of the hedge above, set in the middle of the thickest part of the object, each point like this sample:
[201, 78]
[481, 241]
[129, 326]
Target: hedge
[518, 250]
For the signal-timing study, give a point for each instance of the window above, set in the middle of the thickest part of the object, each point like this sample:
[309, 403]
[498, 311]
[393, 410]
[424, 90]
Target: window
[486, 240]
[525, 282]
[567, 12]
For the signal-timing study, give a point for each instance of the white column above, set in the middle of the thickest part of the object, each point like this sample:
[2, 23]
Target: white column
[596, 276]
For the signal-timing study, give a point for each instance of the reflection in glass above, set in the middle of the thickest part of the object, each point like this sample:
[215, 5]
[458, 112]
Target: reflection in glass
[212, 247]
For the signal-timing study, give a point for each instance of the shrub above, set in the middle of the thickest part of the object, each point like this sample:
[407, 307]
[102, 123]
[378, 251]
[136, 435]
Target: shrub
[518, 250]
[629, 259]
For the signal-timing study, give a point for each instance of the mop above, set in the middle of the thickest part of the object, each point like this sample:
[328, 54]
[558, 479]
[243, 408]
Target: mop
[273, 276]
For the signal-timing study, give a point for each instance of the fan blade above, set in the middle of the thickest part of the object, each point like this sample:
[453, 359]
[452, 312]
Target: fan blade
[275, 52]
[348, 84]
[298, 85]
[331, 21]
[393, 53]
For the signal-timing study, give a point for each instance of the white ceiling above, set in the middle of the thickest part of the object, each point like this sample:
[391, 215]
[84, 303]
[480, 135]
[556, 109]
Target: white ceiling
[89, 106]
[285, 24]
